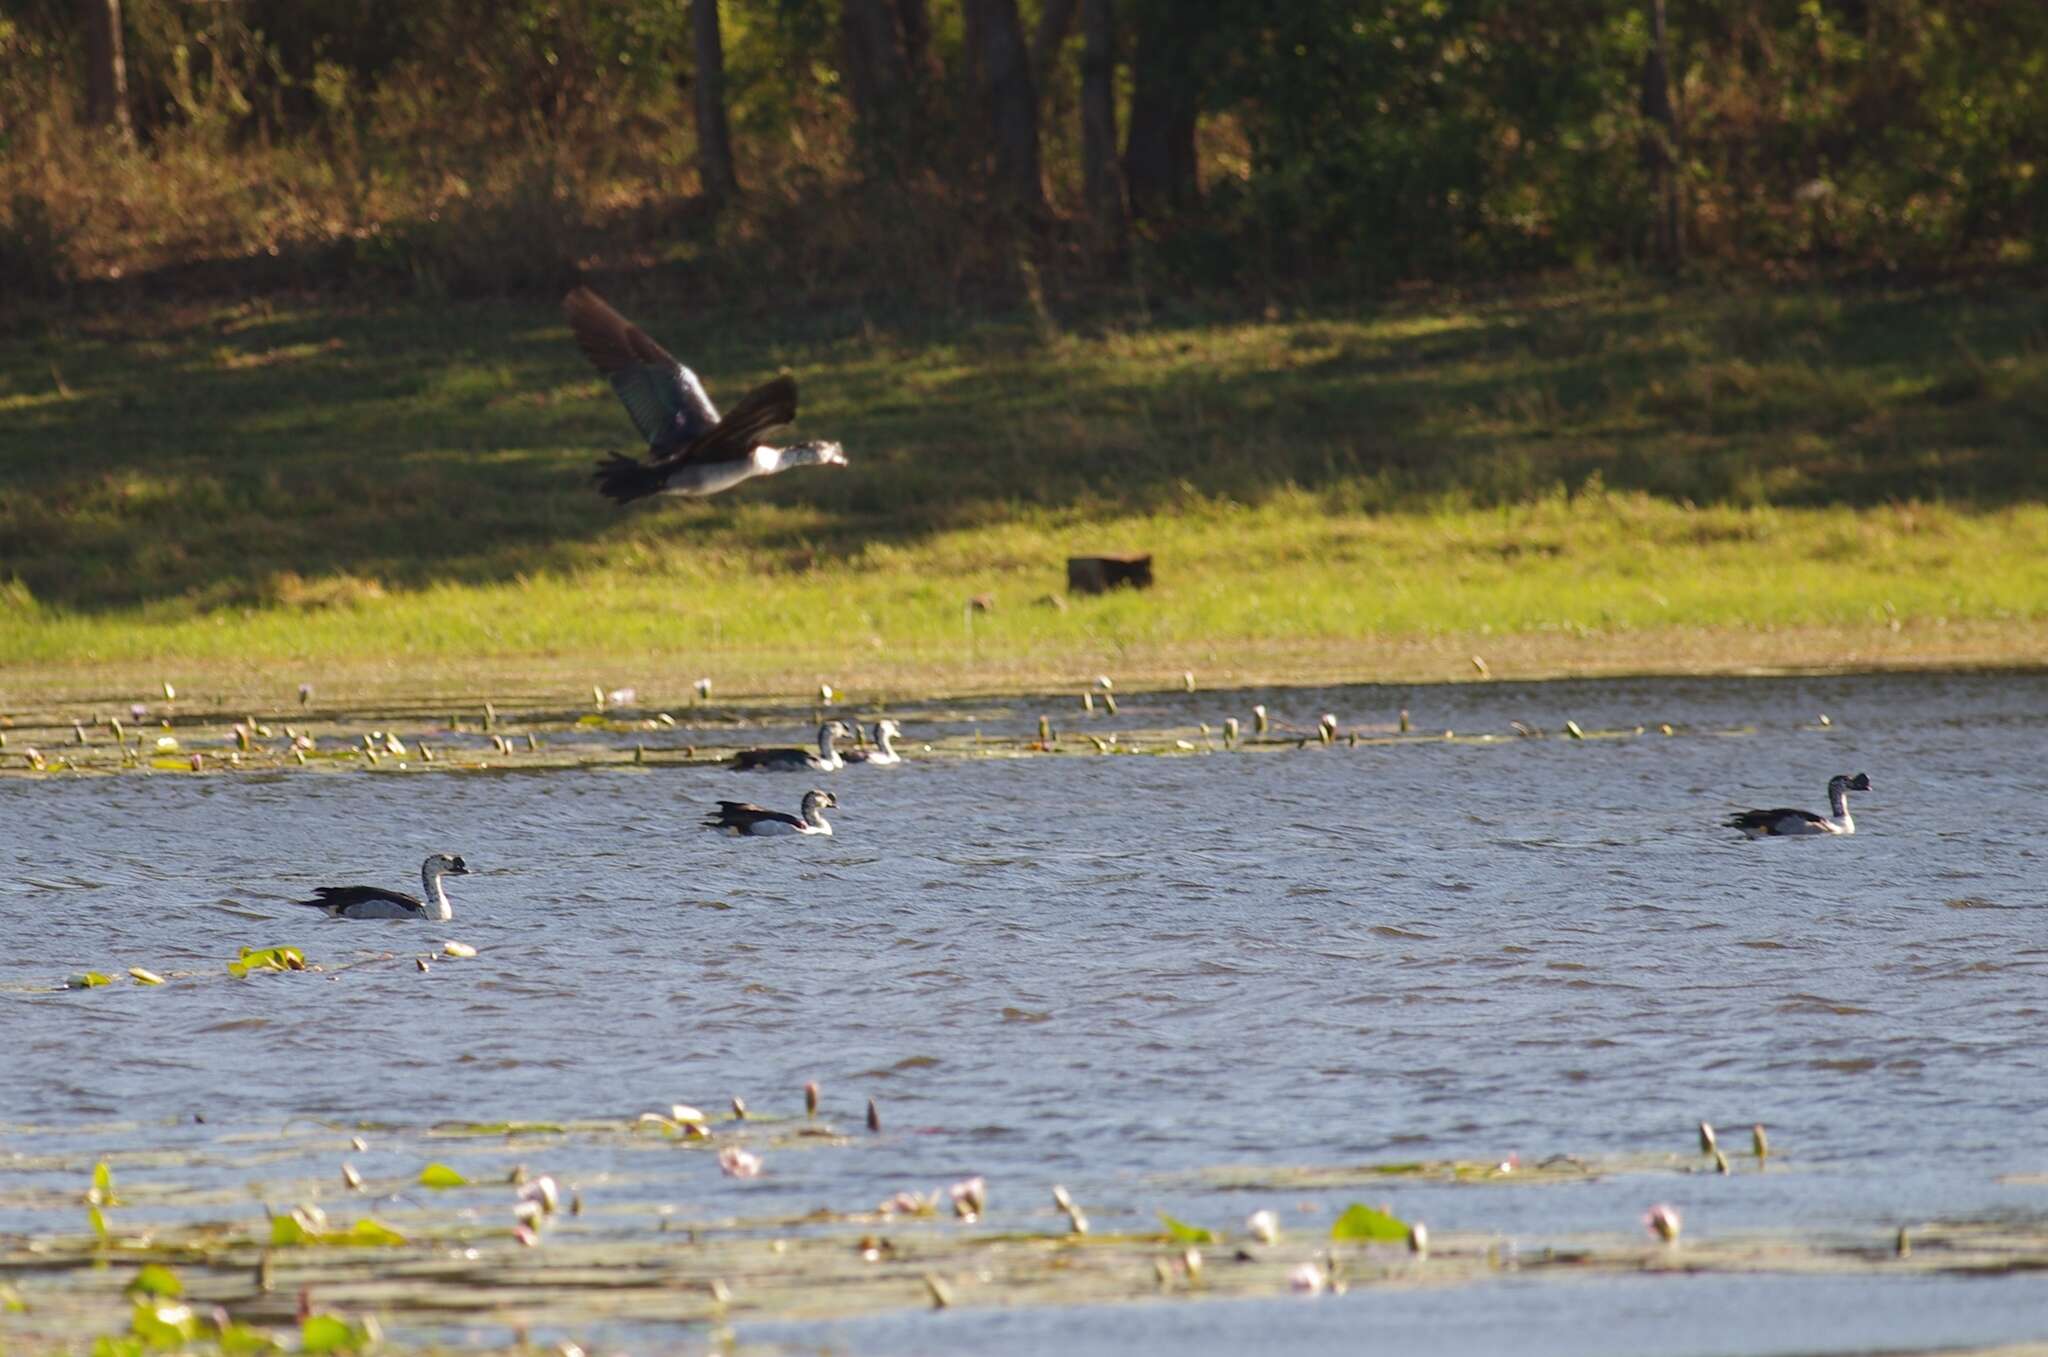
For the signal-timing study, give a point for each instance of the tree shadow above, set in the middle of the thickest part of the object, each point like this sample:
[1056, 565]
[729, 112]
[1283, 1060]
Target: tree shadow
[237, 455]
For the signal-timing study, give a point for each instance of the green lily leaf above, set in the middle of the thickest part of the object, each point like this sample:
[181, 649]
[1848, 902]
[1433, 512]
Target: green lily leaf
[88, 980]
[267, 959]
[105, 1346]
[98, 1220]
[368, 1231]
[155, 1280]
[101, 1193]
[440, 1175]
[331, 1333]
[165, 1325]
[241, 1340]
[1186, 1233]
[1362, 1222]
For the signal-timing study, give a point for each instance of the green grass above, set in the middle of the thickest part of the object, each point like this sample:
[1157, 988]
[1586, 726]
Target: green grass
[1594, 470]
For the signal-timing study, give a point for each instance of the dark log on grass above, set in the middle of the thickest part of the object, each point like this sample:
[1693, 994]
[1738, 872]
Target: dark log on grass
[1095, 574]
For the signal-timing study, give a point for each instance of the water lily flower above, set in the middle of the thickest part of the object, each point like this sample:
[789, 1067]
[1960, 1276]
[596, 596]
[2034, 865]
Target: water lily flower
[621, 697]
[1663, 1222]
[544, 1191]
[738, 1163]
[1307, 1280]
[739, 1107]
[970, 1198]
[1418, 1239]
[1191, 1263]
[528, 1212]
[527, 1236]
[910, 1204]
[1707, 1143]
[1758, 1143]
[136, 711]
[811, 1098]
[1264, 1226]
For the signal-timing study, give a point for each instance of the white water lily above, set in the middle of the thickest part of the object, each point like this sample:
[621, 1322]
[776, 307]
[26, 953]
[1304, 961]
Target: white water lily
[1264, 1226]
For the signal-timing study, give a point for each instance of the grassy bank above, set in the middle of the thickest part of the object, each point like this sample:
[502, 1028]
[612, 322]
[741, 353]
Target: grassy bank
[1584, 478]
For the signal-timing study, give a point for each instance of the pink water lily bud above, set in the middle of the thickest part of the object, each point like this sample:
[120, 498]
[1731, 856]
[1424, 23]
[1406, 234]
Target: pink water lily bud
[910, 1204]
[738, 1163]
[527, 1236]
[1307, 1280]
[1663, 1222]
[811, 1098]
[1264, 1226]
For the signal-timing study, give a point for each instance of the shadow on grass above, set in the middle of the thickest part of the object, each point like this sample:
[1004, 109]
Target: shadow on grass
[314, 453]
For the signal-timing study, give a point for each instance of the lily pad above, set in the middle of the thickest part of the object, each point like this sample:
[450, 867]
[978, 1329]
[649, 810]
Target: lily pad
[1186, 1233]
[1363, 1223]
[440, 1175]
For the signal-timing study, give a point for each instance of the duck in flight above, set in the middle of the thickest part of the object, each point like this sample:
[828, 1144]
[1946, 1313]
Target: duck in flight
[374, 902]
[691, 449]
[744, 817]
[1764, 824]
[884, 752]
[826, 760]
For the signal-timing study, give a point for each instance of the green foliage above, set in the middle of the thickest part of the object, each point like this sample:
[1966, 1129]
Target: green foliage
[155, 1280]
[330, 1333]
[88, 980]
[1182, 1232]
[441, 1176]
[267, 959]
[306, 1226]
[1363, 1224]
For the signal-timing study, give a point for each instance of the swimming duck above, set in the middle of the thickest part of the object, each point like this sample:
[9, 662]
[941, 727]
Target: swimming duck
[884, 751]
[826, 760]
[744, 817]
[1763, 824]
[374, 902]
[691, 450]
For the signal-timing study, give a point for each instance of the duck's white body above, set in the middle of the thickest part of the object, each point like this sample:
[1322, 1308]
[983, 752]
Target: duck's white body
[1786, 822]
[374, 902]
[884, 753]
[696, 480]
[744, 817]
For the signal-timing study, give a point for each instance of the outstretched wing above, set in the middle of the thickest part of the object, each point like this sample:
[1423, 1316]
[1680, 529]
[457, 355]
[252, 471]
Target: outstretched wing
[768, 406]
[665, 399]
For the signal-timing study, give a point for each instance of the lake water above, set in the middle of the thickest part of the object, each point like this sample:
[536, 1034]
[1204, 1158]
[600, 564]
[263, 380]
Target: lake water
[1113, 972]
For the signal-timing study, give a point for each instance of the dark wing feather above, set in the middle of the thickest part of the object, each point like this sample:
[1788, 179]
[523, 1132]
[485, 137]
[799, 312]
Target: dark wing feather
[665, 399]
[762, 758]
[768, 406]
[1766, 820]
[341, 897]
[741, 814]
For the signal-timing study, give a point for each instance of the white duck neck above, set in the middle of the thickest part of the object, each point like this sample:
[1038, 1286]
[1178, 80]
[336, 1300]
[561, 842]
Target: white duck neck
[434, 893]
[1838, 802]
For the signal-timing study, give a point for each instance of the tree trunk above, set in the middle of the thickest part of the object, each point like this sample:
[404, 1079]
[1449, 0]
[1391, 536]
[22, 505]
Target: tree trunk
[878, 74]
[1660, 144]
[1159, 149]
[1053, 22]
[106, 68]
[914, 22]
[1012, 106]
[714, 137]
[1101, 183]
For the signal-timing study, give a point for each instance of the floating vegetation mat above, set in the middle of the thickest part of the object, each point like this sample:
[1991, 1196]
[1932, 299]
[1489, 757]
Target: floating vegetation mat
[396, 734]
[460, 1237]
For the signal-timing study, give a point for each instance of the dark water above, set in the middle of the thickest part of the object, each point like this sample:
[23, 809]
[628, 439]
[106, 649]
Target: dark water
[1109, 971]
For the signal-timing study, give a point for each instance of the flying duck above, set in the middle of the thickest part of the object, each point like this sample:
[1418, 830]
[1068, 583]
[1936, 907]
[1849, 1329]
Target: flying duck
[374, 902]
[1763, 824]
[691, 450]
[826, 760]
[884, 751]
[744, 817]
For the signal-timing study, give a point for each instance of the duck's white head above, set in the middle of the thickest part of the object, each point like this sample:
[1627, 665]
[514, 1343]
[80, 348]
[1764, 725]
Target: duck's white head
[888, 730]
[444, 864]
[817, 799]
[836, 729]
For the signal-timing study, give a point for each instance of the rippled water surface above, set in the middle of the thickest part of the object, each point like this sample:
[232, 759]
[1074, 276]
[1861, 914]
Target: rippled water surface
[1111, 970]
